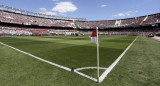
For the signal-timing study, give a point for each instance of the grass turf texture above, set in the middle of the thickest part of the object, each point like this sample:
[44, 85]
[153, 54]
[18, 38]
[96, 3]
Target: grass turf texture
[72, 51]
[135, 68]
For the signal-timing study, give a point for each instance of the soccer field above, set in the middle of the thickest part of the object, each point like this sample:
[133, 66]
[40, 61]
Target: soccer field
[75, 52]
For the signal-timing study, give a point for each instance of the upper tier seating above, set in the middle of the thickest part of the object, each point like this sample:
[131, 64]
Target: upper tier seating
[10, 17]
[137, 21]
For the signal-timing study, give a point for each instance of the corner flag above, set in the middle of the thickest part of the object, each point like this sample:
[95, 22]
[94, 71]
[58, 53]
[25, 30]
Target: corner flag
[94, 39]
[94, 36]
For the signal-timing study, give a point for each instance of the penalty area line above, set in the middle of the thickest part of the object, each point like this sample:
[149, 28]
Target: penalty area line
[108, 70]
[49, 62]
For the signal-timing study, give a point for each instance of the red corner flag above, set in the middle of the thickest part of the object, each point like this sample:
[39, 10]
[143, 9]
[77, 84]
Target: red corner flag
[94, 39]
[94, 36]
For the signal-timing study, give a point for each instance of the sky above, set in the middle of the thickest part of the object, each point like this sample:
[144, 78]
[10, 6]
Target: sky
[89, 9]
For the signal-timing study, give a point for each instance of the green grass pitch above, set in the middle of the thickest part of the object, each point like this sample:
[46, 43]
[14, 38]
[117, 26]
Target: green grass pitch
[139, 66]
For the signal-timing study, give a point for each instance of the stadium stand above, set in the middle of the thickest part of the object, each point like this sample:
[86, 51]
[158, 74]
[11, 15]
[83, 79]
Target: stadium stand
[12, 31]
[143, 31]
[130, 22]
[16, 31]
[15, 24]
[10, 17]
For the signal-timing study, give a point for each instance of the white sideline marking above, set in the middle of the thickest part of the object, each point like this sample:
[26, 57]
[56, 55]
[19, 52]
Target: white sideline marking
[68, 69]
[105, 73]
[62, 67]
[78, 69]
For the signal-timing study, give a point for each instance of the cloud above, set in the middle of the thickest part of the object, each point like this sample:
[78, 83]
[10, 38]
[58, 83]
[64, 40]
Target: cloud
[45, 11]
[42, 9]
[64, 7]
[55, 0]
[120, 14]
[103, 5]
[128, 13]
[61, 8]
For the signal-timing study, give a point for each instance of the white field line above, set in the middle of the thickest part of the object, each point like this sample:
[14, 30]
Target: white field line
[57, 65]
[83, 68]
[68, 69]
[105, 73]
[84, 75]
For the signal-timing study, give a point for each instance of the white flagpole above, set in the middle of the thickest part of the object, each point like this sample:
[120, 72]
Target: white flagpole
[97, 57]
